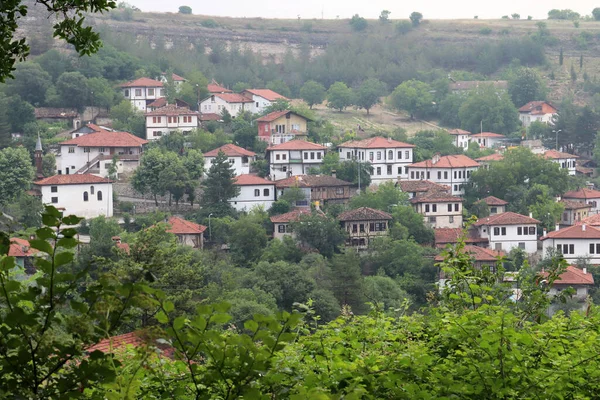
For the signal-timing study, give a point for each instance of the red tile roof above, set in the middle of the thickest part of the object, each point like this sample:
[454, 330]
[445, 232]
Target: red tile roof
[444, 236]
[142, 82]
[96, 128]
[583, 193]
[52, 112]
[480, 254]
[210, 117]
[364, 214]
[308, 181]
[172, 109]
[538, 108]
[75, 179]
[180, 226]
[506, 218]
[487, 135]
[580, 231]
[291, 216]
[458, 132]
[491, 157]
[494, 201]
[21, 248]
[593, 220]
[421, 186]
[573, 276]
[176, 78]
[557, 155]
[435, 197]
[377, 142]
[250, 180]
[160, 102]
[233, 97]
[267, 94]
[574, 205]
[278, 114]
[106, 139]
[214, 87]
[297, 145]
[454, 161]
[230, 150]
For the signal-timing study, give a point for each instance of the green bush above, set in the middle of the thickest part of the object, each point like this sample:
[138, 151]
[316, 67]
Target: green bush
[485, 31]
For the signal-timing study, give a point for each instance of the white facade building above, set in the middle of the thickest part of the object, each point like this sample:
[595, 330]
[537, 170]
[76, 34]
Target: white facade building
[461, 137]
[453, 171]
[564, 160]
[94, 152]
[295, 157]
[589, 196]
[254, 191]
[573, 242]
[389, 158]
[541, 111]
[142, 92]
[234, 103]
[262, 98]
[439, 209]
[177, 79]
[487, 140]
[170, 118]
[281, 223]
[240, 158]
[509, 230]
[84, 195]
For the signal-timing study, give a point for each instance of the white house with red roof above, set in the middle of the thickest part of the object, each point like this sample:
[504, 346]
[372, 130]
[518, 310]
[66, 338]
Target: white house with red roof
[94, 152]
[389, 158]
[281, 223]
[254, 191]
[541, 111]
[419, 188]
[574, 242]
[564, 160]
[509, 230]
[214, 87]
[575, 212]
[439, 209]
[589, 196]
[487, 140]
[262, 98]
[177, 79]
[295, 157]
[239, 158]
[495, 205]
[453, 171]
[461, 137]
[84, 195]
[234, 103]
[170, 118]
[188, 233]
[488, 160]
[282, 126]
[89, 128]
[363, 225]
[142, 91]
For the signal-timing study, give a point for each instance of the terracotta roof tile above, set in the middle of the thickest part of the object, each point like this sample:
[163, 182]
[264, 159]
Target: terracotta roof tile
[106, 139]
[214, 87]
[454, 161]
[506, 218]
[488, 135]
[593, 220]
[291, 216]
[297, 145]
[574, 205]
[21, 248]
[583, 194]
[580, 231]
[142, 82]
[230, 150]
[160, 102]
[266, 94]
[445, 236]
[573, 276]
[538, 108]
[421, 186]
[278, 114]
[233, 97]
[250, 179]
[51, 112]
[75, 179]
[363, 214]
[479, 254]
[494, 201]
[491, 157]
[310, 181]
[172, 109]
[96, 128]
[458, 132]
[176, 77]
[558, 155]
[377, 142]
[210, 117]
[435, 197]
[180, 226]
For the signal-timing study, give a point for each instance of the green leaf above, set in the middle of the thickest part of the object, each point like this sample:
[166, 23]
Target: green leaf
[67, 243]
[72, 220]
[41, 245]
[178, 323]
[251, 325]
[222, 307]
[79, 306]
[49, 220]
[220, 318]
[4, 243]
[169, 306]
[162, 317]
[63, 258]
[45, 233]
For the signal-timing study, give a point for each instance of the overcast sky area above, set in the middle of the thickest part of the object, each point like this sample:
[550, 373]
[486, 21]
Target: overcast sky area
[432, 9]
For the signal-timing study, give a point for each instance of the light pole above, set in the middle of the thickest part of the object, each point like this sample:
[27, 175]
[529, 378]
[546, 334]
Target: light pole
[556, 138]
[209, 228]
[198, 96]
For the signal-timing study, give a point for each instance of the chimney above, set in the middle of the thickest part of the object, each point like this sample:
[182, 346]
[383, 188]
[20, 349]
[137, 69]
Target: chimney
[530, 215]
[557, 227]
[435, 159]
[583, 227]
[334, 173]
[24, 249]
[584, 270]
[558, 198]
[116, 239]
[389, 140]
[544, 232]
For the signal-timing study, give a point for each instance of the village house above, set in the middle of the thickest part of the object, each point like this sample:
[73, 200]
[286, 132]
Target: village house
[321, 188]
[52, 115]
[389, 158]
[495, 205]
[488, 140]
[254, 191]
[239, 158]
[453, 171]
[451, 236]
[281, 223]
[461, 137]
[142, 92]
[486, 161]
[262, 98]
[23, 253]
[589, 196]
[564, 160]
[84, 195]
[541, 111]
[509, 230]
[214, 87]
[295, 157]
[170, 118]
[363, 225]
[177, 79]
[575, 211]
[574, 242]
[162, 102]
[581, 280]
[234, 103]
[480, 257]
[468, 86]
[188, 233]
[94, 152]
[439, 209]
[418, 188]
[89, 128]
[282, 126]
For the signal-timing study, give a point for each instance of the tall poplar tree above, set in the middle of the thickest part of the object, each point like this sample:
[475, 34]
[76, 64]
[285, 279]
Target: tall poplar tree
[219, 187]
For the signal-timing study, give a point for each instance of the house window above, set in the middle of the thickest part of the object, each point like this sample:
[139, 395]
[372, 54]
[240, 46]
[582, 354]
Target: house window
[318, 155]
[493, 210]
[519, 230]
[390, 155]
[277, 156]
[451, 219]
[455, 174]
[371, 155]
[496, 231]
[54, 200]
[379, 155]
[99, 195]
[439, 174]
[399, 170]
[522, 245]
[339, 190]
[592, 248]
[138, 92]
[86, 149]
[157, 133]
[71, 150]
[85, 196]
[432, 220]
[412, 174]
[54, 189]
[456, 188]
[306, 156]
[281, 228]
[312, 155]
[426, 208]
[449, 207]
[126, 93]
[389, 169]
[150, 91]
[434, 207]
[399, 154]
[532, 230]
[428, 175]
[257, 104]
[378, 170]
[354, 228]
[597, 248]
[503, 231]
[162, 92]
[445, 174]
[256, 192]
[91, 190]
[362, 228]
[266, 192]
[406, 155]
[456, 207]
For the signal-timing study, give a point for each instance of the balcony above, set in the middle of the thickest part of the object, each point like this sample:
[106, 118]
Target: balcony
[295, 161]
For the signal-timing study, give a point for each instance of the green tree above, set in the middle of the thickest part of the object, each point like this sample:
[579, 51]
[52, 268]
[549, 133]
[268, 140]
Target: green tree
[247, 241]
[312, 93]
[30, 82]
[358, 23]
[349, 171]
[185, 10]
[16, 173]
[319, 232]
[490, 109]
[55, 63]
[560, 57]
[49, 164]
[596, 13]
[339, 96]
[174, 178]
[146, 177]
[413, 96]
[347, 282]
[73, 90]
[101, 93]
[415, 18]
[428, 143]
[526, 86]
[280, 87]
[544, 206]
[21, 113]
[385, 291]
[125, 118]
[369, 93]
[384, 17]
[219, 186]
[403, 27]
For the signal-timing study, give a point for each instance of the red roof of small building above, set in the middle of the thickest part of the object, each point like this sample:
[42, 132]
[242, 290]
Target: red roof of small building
[494, 201]
[75, 179]
[96, 128]
[278, 114]
[435, 197]
[593, 220]
[558, 155]
[176, 77]
[106, 139]
[480, 254]
[574, 204]
[421, 186]
[214, 87]
[491, 157]
[21, 248]
[583, 193]
[538, 108]
[251, 179]
[230, 150]
[580, 231]
[573, 276]
[453, 161]
[376, 142]
[160, 102]
[233, 97]
[172, 109]
[210, 117]
[180, 226]
[297, 145]
[487, 135]
[458, 132]
[267, 94]
[364, 214]
[506, 218]
[451, 235]
[310, 181]
[291, 216]
[142, 82]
